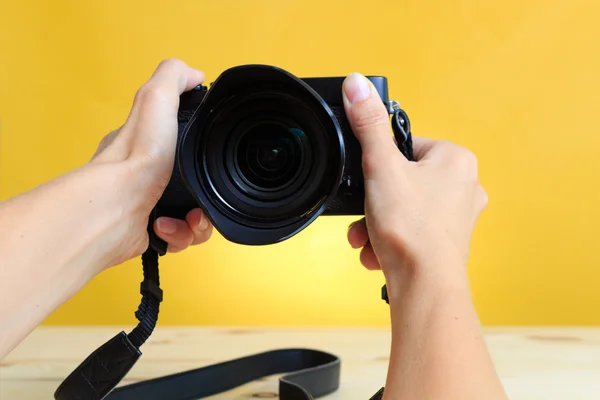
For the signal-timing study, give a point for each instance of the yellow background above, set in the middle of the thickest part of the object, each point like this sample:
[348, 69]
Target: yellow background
[516, 81]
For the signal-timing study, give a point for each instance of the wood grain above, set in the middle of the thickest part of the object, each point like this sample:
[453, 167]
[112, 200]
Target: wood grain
[534, 363]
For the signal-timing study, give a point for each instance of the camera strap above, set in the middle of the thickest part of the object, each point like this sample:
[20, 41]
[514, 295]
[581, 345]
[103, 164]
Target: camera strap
[310, 373]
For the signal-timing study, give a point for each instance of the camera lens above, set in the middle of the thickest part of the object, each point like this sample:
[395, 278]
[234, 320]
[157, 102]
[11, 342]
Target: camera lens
[268, 158]
[264, 156]
[269, 155]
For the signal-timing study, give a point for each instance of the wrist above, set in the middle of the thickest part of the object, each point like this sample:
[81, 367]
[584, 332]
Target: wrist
[98, 202]
[123, 205]
[432, 280]
[422, 300]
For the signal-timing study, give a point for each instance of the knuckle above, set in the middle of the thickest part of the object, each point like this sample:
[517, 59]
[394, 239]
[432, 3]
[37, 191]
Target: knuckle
[153, 91]
[370, 116]
[150, 93]
[370, 163]
[469, 158]
[482, 197]
[464, 159]
[382, 159]
[171, 63]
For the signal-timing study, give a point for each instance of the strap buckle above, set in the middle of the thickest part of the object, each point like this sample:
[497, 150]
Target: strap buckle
[150, 288]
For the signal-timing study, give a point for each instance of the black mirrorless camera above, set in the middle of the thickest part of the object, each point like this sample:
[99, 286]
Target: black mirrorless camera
[264, 153]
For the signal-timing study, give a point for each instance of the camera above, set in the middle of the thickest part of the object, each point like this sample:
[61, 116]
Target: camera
[264, 153]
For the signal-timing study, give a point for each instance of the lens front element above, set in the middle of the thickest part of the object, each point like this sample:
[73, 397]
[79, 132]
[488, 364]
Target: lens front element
[270, 155]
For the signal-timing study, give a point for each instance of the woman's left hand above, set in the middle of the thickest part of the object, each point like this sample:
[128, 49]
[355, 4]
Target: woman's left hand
[146, 142]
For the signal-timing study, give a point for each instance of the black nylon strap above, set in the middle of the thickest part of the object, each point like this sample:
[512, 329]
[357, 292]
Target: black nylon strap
[98, 374]
[317, 375]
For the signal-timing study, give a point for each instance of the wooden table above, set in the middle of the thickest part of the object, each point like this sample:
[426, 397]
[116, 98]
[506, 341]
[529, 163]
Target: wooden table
[534, 363]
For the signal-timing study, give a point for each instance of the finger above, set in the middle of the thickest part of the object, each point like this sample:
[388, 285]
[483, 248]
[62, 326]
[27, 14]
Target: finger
[368, 258]
[199, 225]
[173, 73]
[358, 236]
[154, 112]
[370, 123]
[175, 232]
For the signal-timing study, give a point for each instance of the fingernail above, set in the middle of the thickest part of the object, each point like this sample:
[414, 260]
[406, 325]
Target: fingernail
[165, 225]
[356, 88]
[203, 225]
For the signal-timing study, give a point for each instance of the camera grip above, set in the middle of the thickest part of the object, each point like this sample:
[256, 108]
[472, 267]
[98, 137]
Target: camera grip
[176, 201]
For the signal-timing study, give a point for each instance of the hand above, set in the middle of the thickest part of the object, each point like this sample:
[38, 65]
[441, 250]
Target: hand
[147, 142]
[96, 216]
[419, 216]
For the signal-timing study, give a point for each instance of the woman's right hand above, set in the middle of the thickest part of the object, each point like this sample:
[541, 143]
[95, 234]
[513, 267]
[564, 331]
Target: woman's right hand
[419, 216]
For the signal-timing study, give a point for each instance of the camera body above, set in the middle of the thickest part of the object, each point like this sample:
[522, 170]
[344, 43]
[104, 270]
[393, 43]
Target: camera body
[264, 153]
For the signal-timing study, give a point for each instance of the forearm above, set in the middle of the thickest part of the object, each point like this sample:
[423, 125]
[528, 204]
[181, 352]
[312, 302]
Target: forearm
[45, 254]
[438, 350]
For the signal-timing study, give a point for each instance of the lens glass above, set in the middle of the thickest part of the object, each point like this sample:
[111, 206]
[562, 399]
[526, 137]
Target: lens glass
[269, 155]
[270, 158]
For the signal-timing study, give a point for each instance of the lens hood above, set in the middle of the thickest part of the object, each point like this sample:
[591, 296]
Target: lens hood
[211, 158]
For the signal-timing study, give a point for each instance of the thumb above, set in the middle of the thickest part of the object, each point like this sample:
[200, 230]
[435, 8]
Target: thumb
[370, 123]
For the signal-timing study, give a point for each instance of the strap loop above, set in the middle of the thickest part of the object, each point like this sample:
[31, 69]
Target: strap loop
[401, 129]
